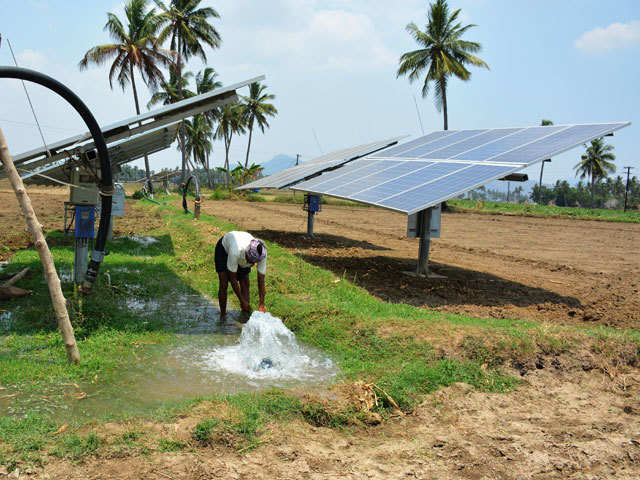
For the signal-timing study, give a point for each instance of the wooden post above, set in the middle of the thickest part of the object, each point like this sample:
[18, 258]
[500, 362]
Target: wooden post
[53, 282]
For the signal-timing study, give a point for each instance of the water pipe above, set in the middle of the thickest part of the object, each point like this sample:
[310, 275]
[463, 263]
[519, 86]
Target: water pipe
[106, 180]
[197, 201]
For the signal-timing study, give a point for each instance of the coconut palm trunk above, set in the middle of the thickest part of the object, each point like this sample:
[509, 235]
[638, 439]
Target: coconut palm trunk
[246, 161]
[443, 92]
[182, 147]
[227, 145]
[593, 189]
[209, 180]
[135, 97]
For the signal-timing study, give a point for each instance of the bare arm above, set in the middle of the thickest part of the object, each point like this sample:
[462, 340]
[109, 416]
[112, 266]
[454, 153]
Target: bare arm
[233, 279]
[261, 292]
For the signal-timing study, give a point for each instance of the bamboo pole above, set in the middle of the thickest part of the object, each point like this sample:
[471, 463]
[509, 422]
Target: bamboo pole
[53, 282]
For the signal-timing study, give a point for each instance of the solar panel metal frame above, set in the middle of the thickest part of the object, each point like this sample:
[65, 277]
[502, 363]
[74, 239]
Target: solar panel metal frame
[121, 152]
[515, 167]
[153, 118]
[316, 166]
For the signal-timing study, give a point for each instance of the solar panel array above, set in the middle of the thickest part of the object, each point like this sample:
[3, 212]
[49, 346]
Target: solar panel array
[295, 174]
[424, 172]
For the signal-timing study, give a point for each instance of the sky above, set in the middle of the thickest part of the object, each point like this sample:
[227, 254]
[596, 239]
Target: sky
[332, 66]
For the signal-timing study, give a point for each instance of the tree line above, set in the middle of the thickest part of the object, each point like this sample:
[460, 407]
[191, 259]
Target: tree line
[147, 42]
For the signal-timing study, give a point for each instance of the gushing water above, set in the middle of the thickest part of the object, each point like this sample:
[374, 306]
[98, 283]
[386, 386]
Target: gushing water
[267, 350]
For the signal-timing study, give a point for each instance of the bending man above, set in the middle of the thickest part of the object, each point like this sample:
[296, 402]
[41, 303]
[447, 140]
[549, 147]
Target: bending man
[235, 254]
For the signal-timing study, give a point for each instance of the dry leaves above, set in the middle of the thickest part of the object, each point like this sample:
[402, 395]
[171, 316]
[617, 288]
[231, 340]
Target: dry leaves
[63, 428]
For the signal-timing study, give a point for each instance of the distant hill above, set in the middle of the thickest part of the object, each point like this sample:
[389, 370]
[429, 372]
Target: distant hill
[277, 164]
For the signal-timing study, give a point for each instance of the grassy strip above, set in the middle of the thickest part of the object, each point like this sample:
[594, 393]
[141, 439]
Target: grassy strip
[546, 211]
[394, 345]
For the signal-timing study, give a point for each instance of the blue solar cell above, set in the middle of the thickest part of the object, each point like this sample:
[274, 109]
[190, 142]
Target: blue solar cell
[336, 180]
[424, 150]
[457, 148]
[422, 174]
[556, 143]
[500, 146]
[348, 168]
[445, 187]
[373, 176]
[396, 150]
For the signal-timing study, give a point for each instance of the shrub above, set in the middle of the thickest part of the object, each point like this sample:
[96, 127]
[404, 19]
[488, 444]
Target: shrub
[254, 197]
[220, 194]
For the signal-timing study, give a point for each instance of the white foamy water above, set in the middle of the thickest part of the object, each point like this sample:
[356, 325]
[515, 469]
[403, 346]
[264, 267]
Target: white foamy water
[144, 241]
[267, 350]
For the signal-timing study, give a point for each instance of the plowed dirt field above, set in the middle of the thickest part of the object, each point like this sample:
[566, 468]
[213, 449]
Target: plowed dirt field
[501, 266]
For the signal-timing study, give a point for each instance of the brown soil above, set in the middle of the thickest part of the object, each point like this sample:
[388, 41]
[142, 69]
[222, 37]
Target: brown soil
[48, 204]
[563, 423]
[501, 266]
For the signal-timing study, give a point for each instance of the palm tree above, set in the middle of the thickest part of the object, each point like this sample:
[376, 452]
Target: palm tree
[135, 48]
[205, 82]
[596, 163]
[442, 54]
[166, 92]
[251, 172]
[198, 139]
[188, 28]
[231, 120]
[257, 109]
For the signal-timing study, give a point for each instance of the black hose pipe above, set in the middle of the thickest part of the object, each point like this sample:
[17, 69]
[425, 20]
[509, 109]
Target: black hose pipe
[106, 180]
[197, 201]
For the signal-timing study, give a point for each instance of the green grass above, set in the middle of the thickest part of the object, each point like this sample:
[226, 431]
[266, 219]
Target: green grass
[544, 211]
[323, 310]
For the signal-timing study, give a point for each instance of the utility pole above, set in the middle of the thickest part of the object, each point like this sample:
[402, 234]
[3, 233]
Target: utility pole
[626, 188]
[297, 159]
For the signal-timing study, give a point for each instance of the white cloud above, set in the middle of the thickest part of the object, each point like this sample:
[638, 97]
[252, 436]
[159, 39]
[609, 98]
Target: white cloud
[616, 36]
[32, 59]
[331, 39]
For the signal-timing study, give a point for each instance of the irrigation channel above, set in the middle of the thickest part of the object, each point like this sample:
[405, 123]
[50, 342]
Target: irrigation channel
[207, 356]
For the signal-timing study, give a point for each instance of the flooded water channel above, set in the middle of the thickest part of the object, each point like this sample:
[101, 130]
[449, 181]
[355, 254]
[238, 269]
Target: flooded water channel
[208, 356]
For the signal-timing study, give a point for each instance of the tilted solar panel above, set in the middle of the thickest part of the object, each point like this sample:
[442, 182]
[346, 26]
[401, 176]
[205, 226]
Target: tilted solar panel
[120, 152]
[429, 170]
[146, 121]
[295, 174]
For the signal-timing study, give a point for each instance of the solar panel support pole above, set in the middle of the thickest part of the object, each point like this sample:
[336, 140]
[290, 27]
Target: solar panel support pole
[80, 259]
[423, 230]
[312, 205]
[424, 221]
[310, 218]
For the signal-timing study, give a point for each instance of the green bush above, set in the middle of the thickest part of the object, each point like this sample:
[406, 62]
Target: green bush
[220, 194]
[254, 197]
[203, 431]
[137, 195]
